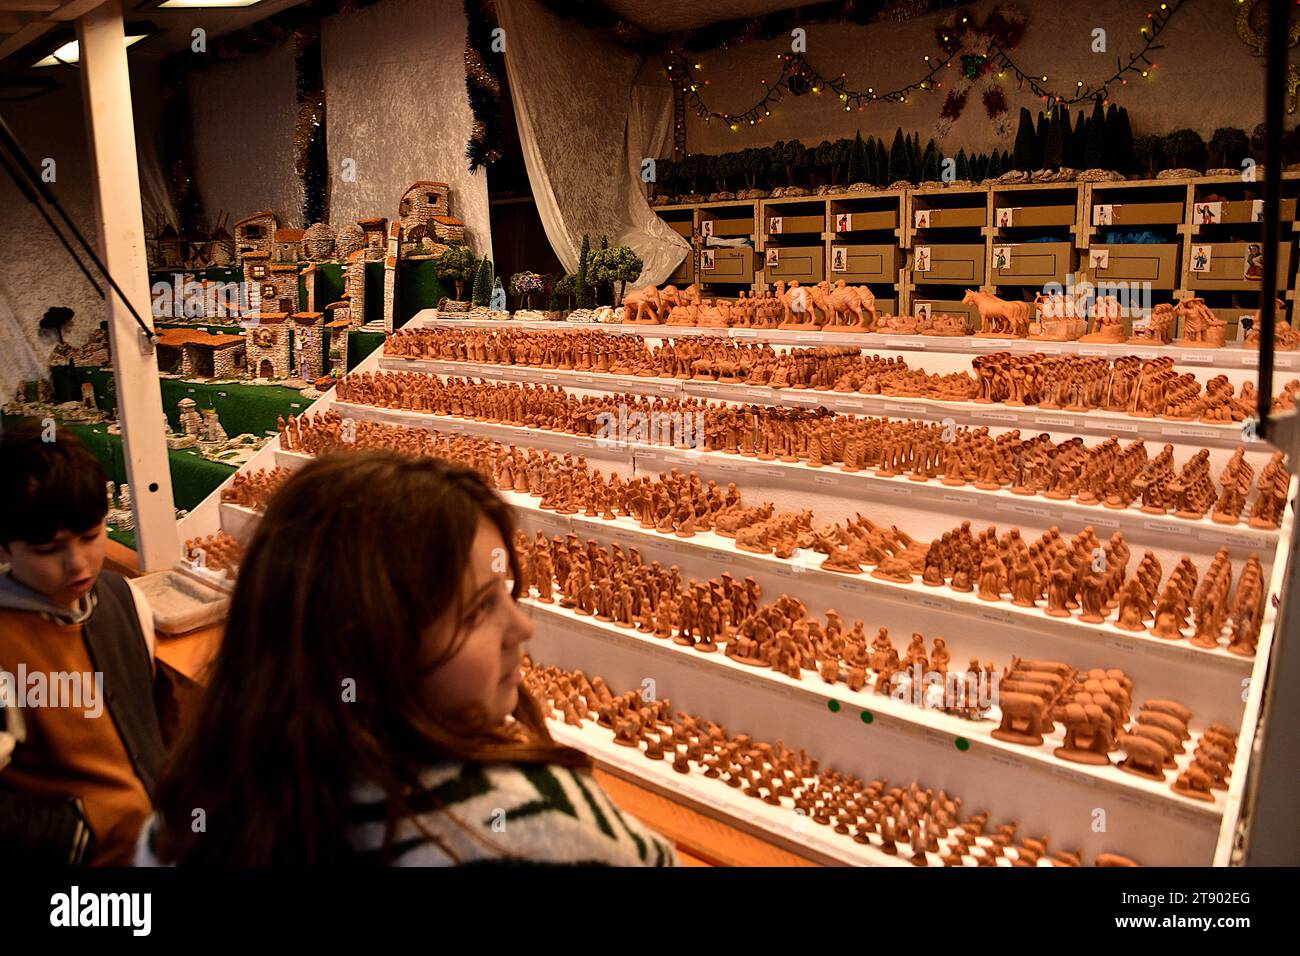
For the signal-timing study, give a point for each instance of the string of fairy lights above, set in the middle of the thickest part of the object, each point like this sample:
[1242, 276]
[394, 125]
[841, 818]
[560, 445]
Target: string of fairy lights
[798, 77]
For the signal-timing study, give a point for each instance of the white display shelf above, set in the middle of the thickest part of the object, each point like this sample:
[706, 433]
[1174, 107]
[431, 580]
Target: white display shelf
[963, 607]
[772, 689]
[962, 412]
[1221, 358]
[1241, 539]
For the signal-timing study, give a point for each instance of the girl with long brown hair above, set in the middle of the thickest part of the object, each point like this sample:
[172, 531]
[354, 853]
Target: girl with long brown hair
[365, 705]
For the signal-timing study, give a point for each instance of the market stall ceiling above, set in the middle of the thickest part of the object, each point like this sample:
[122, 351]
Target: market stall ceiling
[26, 25]
[665, 16]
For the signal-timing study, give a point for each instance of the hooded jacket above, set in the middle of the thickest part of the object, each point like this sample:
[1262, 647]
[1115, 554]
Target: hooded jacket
[80, 779]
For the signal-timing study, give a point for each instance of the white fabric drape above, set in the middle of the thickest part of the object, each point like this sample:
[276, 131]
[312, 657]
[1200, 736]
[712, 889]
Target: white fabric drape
[243, 114]
[585, 125]
[397, 107]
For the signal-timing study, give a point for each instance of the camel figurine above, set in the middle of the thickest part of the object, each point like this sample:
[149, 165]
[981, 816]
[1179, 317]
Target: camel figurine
[1201, 327]
[998, 317]
[797, 305]
[838, 302]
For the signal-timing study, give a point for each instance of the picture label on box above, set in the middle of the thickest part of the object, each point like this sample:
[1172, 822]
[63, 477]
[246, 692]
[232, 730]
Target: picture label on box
[1202, 256]
[1208, 213]
[772, 257]
[1257, 210]
[774, 226]
[1001, 257]
[839, 259]
[922, 309]
[1103, 215]
[1006, 216]
[1099, 258]
[922, 219]
[706, 260]
[706, 228]
[921, 259]
[843, 222]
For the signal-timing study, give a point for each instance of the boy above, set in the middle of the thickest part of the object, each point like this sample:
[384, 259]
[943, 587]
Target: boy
[76, 665]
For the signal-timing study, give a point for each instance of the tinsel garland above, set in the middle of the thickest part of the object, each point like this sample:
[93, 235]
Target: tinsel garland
[995, 101]
[310, 161]
[483, 66]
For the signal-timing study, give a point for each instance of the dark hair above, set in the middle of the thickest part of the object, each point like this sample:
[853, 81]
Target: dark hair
[48, 486]
[355, 557]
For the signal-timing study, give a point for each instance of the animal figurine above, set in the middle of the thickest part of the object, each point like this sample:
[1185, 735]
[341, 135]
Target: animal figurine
[998, 317]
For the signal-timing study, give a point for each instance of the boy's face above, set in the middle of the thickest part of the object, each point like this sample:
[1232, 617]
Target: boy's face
[64, 569]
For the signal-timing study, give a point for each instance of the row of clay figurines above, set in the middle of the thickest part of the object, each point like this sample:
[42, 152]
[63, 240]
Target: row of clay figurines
[1142, 388]
[836, 306]
[1093, 707]
[1107, 474]
[920, 450]
[923, 826]
[1067, 577]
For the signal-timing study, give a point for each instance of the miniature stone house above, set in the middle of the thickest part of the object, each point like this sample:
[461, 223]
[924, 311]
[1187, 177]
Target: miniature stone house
[375, 230]
[354, 288]
[425, 214]
[221, 247]
[287, 245]
[278, 291]
[349, 240]
[308, 345]
[197, 354]
[267, 346]
[169, 248]
[318, 243]
[448, 229]
[255, 233]
[338, 347]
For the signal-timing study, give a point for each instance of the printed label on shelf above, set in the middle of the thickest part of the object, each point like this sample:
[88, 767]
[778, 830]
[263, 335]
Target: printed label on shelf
[897, 343]
[826, 479]
[959, 499]
[900, 490]
[1167, 528]
[585, 380]
[1130, 646]
[1251, 359]
[997, 416]
[1196, 358]
[1236, 540]
[1008, 760]
[938, 737]
[1129, 427]
[809, 337]
[1090, 352]
[1100, 522]
[767, 472]
[805, 399]
[744, 333]
[1059, 422]
[707, 389]
[585, 444]
[933, 603]
[1051, 349]
[1073, 775]
[997, 617]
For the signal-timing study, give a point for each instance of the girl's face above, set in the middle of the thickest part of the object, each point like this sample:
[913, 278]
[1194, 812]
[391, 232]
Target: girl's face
[482, 678]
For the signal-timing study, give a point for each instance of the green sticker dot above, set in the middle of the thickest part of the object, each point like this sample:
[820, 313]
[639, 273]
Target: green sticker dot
[867, 716]
[963, 744]
[834, 706]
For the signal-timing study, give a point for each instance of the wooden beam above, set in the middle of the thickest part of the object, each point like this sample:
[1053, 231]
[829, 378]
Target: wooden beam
[106, 94]
[28, 34]
[13, 22]
[29, 6]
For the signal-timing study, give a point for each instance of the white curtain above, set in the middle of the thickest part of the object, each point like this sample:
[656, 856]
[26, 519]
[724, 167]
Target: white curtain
[396, 106]
[585, 125]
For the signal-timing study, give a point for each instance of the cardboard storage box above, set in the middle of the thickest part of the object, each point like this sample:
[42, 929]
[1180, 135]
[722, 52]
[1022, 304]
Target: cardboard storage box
[1134, 213]
[864, 263]
[1242, 211]
[886, 307]
[975, 216]
[805, 263]
[729, 265]
[861, 221]
[682, 227]
[1155, 263]
[730, 228]
[946, 307]
[786, 225]
[1233, 318]
[1033, 263]
[1033, 215]
[950, 263]
[1226, 267]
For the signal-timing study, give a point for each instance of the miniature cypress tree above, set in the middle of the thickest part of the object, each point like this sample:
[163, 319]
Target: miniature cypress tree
[857, 161]
[869, 171]
[914, 158]
[602, 288]
[963, 165]
[1078, 141]
[897, 159]
[1095, 152]
[1040, 141]
[1025, 156]
[581, 290]
[882, 164]
[482, 293]
[995, 166]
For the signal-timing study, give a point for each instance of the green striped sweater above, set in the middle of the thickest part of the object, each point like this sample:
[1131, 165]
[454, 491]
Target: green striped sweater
[497, 814]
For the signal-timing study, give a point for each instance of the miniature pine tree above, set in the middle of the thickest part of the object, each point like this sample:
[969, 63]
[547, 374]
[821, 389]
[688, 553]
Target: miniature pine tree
[1119, 140]
[914, 158]
[482, 293]
[1024, 157]
[857, 160]
[602, 288]
[963, 165]
[1040, 141]
[897, 158]
[1078, 141]
[882, 164]
[930, 164]
[581, 290]
[869, 173]
[1054, 150]
[1095, 151]
[995, 166]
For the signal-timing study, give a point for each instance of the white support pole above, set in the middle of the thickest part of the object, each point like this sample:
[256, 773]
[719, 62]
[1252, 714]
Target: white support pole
[106, 91]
